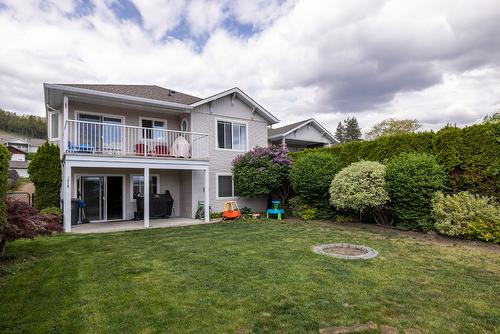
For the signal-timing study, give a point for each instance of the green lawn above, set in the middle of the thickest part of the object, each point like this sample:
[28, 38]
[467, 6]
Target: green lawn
[245, 277]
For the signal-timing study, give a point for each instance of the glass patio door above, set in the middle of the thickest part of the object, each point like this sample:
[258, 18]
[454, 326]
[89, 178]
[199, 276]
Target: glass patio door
[101, 133]
[103, 196]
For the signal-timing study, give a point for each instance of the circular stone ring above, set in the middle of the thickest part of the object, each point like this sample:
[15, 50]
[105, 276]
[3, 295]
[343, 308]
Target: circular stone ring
[346, 251]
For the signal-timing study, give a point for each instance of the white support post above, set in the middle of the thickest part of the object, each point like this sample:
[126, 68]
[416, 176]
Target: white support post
[67, 197]
[207, 196]
[146, 197]
[65, 126]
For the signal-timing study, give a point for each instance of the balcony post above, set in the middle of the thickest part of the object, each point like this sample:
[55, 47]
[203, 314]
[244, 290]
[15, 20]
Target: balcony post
[207, 196]
[66, 195]
[146, 197]
[65, 138]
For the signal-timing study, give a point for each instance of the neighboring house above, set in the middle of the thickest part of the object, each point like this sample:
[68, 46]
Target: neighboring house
[28, 145]
[18, 161]
[117, 140]
[308, 133]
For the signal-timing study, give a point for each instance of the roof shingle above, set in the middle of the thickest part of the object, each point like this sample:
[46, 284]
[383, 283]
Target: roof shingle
[285, 129]
[145, 91]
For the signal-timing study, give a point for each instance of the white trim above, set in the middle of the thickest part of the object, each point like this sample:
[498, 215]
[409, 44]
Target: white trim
[51, 138]
[158, 185]
[80, 160]
[127, 98]
[124, 211]
[78, 112]
[264, 113]
[230, 120]
[313, 121]
[187, 124]
[217, 186]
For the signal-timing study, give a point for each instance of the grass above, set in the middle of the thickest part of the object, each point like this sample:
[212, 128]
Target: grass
[245, 277]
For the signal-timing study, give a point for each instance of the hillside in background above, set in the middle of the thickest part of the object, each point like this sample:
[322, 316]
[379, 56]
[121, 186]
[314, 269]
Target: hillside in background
[25, 126]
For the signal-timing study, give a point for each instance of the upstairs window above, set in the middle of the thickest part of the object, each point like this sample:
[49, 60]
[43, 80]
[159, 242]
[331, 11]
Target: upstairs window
[231, 136]
[54, 125]
[157, 128]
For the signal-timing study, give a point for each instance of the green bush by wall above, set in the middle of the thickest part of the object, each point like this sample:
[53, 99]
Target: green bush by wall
[4, 167]
[311, 177]
[45, 172]
[411, 180]
[471, 155]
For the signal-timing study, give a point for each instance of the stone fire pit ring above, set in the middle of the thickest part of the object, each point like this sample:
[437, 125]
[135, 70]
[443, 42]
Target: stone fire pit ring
[346, 251]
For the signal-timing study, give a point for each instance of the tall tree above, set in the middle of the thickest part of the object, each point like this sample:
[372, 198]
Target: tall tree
[340, 133]
[352, 130]
[391, 126]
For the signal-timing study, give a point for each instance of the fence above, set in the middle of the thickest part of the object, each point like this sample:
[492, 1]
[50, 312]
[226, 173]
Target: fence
[21, 196]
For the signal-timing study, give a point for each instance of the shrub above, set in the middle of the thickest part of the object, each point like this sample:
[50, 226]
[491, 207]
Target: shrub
[51, 210]
[411, 181]
[246, 210]
[311, 177]
[4, 166]
[471, 156]
[298, 208]
[262, 171]
[45, 173]
[24, 221]
[343, 219]
[467, 215]
[360, 187]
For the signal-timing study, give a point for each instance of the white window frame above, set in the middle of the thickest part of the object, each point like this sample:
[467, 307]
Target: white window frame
[151, 119]
[230, 120]
[158, 184]
[51, 135]
[217, 186]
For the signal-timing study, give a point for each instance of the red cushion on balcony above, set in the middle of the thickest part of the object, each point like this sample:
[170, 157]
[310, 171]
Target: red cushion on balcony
[161, 150]
[139, 149]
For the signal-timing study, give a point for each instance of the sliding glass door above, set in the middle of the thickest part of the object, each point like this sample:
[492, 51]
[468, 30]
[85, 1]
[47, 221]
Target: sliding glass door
[101, 133]
[103, 196]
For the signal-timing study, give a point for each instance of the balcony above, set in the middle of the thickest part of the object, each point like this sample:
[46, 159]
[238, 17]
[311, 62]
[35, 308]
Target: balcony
[93, 138]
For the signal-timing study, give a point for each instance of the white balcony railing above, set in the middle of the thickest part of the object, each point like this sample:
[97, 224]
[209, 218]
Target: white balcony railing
[84, 137]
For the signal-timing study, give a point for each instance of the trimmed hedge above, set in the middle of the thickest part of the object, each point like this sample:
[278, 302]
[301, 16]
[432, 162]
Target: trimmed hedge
[4, 168]
[471, 155]
[411, 180]
[45, 172]
[311, 177]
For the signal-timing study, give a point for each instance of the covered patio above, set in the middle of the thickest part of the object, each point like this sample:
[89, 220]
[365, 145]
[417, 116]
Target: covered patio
[132, 225]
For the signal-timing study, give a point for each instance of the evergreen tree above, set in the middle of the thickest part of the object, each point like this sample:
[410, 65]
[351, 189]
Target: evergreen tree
[340, 133]
[352, 130]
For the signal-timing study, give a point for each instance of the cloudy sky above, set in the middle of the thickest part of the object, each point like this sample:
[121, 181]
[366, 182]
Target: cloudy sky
[437, 61]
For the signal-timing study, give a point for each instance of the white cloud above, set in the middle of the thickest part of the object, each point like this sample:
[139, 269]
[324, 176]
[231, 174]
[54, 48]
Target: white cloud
[428, 60]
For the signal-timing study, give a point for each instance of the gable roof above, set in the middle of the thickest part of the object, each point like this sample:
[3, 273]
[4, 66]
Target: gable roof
[15, 150]
[290, 128]
[150, 95]
[270, 118]
[152, 92]
[284, 129]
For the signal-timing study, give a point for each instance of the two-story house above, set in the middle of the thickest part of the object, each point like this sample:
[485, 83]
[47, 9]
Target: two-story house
[117, 141]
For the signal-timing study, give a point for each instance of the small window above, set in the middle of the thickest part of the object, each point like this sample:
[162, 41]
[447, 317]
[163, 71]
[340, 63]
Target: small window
[231, 136]
[138, 184]
[54, 125]
[225, 186]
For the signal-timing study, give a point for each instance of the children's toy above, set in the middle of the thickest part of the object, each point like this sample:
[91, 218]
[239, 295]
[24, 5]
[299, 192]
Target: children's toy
[231, 210]
[275, 210]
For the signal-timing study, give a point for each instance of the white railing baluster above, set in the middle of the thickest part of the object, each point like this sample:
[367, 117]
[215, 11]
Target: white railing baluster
[112, 139]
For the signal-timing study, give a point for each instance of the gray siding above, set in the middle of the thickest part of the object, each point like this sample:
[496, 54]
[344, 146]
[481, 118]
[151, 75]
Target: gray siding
[204, 120]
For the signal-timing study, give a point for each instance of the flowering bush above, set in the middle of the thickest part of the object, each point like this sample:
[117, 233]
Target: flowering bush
[24, 221]
[262, 171]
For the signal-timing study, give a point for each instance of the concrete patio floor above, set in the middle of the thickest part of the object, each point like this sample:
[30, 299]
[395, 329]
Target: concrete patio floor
[131, 225]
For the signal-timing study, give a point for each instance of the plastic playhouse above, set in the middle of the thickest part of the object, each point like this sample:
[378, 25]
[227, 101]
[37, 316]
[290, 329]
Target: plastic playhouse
[276, 210]
[231, 210]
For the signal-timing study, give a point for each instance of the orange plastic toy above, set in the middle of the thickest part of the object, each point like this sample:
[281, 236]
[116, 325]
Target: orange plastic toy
[231, 210]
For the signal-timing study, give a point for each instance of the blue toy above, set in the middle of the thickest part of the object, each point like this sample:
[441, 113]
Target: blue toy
[275, 210]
